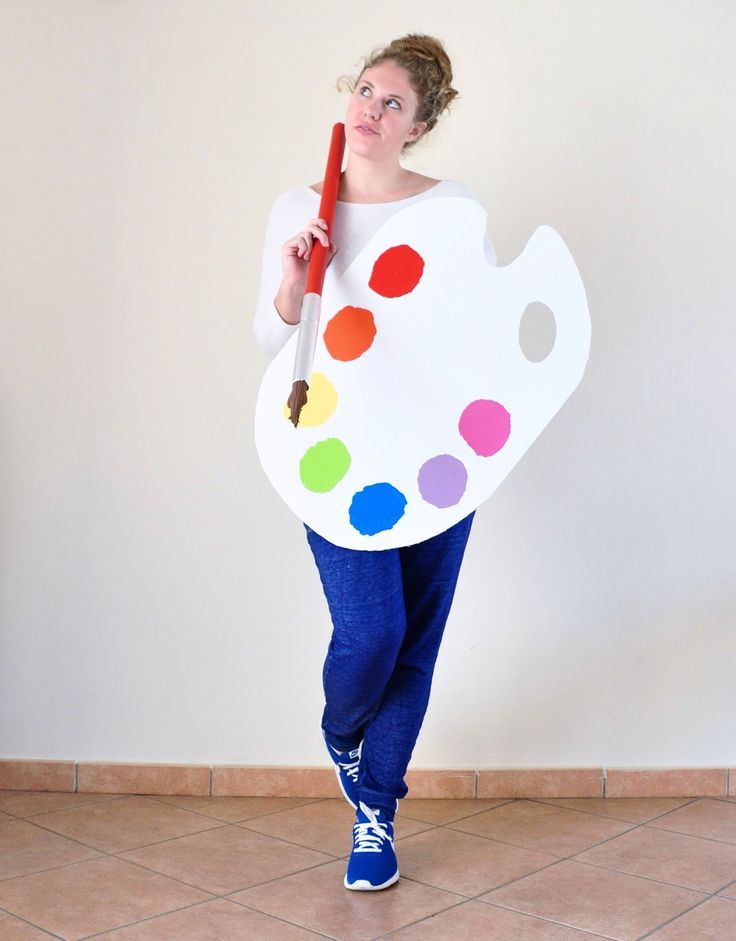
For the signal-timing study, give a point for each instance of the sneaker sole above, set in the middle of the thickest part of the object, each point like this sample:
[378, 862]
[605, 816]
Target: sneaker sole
[362, 885]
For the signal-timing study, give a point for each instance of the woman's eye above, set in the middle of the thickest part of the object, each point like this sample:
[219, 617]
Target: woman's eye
[393, 102]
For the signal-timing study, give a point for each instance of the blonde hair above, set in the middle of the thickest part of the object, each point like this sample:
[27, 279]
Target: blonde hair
[430, 74]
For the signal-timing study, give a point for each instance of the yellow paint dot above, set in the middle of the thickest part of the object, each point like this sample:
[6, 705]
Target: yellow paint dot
[321, 402]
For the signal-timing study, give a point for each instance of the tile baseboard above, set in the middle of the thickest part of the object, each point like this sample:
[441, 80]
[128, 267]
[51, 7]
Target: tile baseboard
[262, 781]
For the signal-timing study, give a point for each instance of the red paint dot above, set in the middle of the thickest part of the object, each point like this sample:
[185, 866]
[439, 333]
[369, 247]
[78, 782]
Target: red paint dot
[350, 333]
[485, 425]
[397, 271]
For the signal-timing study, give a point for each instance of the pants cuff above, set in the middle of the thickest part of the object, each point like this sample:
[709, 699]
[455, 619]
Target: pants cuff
[379, 799]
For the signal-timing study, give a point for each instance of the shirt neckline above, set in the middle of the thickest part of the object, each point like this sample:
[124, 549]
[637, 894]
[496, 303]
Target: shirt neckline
[391, 202]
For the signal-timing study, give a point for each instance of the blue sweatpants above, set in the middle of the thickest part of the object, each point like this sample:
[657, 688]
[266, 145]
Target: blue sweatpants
[389, 608]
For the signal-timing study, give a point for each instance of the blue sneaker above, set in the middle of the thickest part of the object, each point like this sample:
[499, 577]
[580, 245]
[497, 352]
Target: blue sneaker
[372, 863]
[346, 769]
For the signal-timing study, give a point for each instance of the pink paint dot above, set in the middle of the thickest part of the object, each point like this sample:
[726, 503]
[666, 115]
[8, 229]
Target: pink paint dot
[485, 425]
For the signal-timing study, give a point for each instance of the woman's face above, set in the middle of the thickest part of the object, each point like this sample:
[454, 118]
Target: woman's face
[380, 114]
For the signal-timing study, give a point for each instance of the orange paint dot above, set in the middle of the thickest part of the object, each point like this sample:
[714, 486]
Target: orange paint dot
[397, 271]
[350, 333]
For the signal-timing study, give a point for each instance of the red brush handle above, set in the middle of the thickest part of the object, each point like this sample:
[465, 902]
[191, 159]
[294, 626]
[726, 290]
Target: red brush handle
[330, 187]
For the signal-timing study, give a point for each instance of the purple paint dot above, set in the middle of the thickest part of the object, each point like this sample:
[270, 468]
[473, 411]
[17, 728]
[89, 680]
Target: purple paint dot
[485, 425]
[442, 480]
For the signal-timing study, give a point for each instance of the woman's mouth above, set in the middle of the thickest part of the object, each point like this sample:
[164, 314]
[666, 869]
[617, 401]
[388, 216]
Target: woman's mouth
[364, 129]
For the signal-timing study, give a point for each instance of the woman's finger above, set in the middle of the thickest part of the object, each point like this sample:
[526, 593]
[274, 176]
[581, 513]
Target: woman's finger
[297, 246]
[318, 232]
[301, 243]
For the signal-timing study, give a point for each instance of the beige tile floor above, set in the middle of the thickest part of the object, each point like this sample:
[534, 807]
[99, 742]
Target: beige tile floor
[142, 868]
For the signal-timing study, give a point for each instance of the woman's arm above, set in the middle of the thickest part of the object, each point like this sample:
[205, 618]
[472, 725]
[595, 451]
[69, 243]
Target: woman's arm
[271, 330]
[284, 270]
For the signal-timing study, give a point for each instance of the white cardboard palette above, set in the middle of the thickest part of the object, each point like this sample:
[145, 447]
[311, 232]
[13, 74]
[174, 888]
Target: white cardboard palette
[421, 399]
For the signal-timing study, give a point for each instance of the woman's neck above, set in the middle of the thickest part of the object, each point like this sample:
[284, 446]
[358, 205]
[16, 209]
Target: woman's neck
[365, 181]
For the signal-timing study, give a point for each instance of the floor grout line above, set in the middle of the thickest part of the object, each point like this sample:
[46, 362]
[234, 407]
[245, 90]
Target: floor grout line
[25, 921]
[674, 918]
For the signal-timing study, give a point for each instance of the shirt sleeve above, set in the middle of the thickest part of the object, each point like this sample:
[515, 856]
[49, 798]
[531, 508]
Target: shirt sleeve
[462, 189]
[487, 244]
[271, 331]
[490, 251]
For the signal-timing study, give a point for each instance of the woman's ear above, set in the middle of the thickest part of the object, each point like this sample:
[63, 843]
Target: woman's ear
[417, 130]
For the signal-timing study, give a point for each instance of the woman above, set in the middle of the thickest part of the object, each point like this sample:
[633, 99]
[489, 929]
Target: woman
[388, 607]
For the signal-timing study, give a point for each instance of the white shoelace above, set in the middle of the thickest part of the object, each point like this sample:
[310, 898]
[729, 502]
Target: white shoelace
[369, 836]
[351, 767]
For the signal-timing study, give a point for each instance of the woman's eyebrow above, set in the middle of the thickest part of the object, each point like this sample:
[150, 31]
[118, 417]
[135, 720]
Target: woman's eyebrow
[366, 82]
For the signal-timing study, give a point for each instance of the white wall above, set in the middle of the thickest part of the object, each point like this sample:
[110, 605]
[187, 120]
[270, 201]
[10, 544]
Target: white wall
[159, 602]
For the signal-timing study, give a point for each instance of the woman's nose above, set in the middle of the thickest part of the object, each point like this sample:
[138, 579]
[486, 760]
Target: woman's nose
[372, 110]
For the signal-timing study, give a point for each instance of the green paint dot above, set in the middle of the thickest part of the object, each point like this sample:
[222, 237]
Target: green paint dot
[324, 465]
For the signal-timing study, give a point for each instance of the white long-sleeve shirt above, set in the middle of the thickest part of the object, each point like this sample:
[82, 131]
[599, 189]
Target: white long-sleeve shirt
[353, 226]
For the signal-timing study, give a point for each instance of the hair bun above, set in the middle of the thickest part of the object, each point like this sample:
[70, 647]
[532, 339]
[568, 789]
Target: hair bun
[430, 50]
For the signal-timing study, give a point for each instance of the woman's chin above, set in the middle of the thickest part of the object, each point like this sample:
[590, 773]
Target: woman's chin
[361, 142]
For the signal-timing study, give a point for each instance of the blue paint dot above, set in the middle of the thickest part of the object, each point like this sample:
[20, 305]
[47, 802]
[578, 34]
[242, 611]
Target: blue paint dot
[376, 508]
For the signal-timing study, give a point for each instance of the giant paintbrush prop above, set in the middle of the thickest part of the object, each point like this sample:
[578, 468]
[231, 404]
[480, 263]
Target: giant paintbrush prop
[309, 318]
